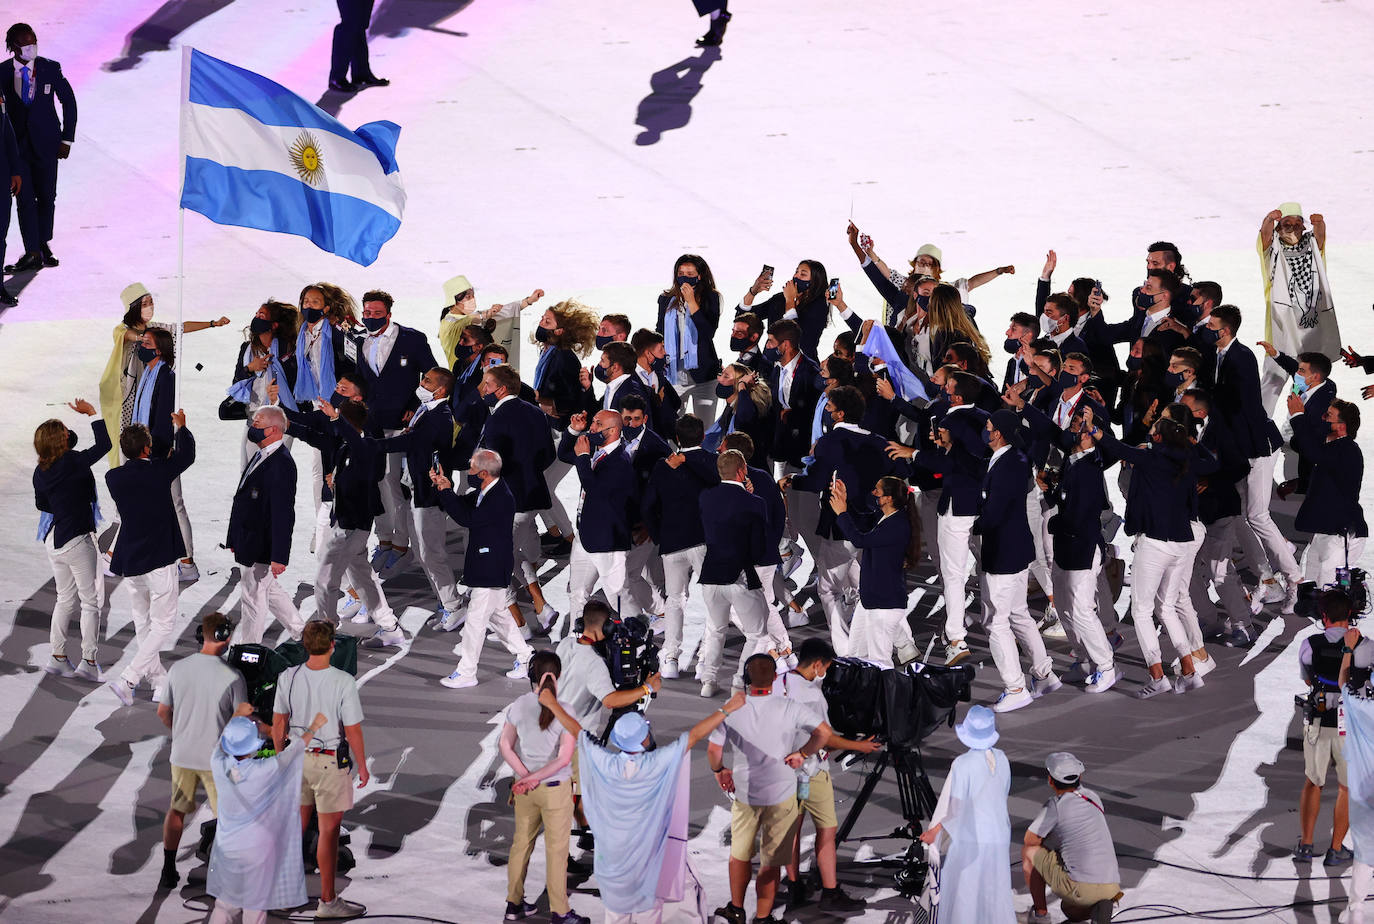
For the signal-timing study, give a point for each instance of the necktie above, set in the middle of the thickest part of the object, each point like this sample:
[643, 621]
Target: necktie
[252, 464]
[597, 458]
[26, 85]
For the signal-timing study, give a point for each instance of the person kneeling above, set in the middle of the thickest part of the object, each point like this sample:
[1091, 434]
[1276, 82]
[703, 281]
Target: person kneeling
[1081, 866]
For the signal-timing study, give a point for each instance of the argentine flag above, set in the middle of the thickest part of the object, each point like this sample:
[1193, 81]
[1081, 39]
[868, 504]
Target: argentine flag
[256, 155]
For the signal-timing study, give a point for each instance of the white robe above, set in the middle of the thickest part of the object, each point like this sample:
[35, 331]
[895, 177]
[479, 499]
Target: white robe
[255, 862]
[1358, 749]
[975, 878]
[1294, 328]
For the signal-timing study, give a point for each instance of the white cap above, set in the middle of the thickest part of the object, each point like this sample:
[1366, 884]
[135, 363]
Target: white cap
[1289, 209]
[1064, 767]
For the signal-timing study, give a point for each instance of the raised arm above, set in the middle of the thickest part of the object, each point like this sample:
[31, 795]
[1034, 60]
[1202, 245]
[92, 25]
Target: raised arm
[709, 724]
[977, 280]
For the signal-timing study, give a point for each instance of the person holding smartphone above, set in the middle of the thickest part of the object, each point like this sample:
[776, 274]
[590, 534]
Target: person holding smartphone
[802, 300]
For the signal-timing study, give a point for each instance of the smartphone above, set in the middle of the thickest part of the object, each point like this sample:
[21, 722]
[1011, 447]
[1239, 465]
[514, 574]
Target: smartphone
[865, 242]
[834, 288]
[767, 270]
[434, 457]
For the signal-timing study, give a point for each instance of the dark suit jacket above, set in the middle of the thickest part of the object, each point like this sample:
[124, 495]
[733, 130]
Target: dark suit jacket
[149, 535]
[1098, 334]
[431, 433]
[735, 524]
[10, 164]
[1161, 498]
[859, 459]
[37, 127]
[962, 468]
[882, 577]
[1076, 527]
[592, 403]
[652, 449]
[671, 503]
[519, 433]
[1221, 497]
[706, 321]
[562, 384]
[811, 316]
[1002, 521]
[765, 487]
[490, 557]
[66, 489]
[264, 512]
[358, 465]
[791, 438]
[1236, 398]
[391, 392]
[1332, 504]
[160, 410]
[610, 501]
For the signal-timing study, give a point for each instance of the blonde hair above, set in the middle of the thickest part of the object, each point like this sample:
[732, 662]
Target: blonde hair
[758, 392]
[50, 441]
[946, 313]
[579, 324]
[339, 306]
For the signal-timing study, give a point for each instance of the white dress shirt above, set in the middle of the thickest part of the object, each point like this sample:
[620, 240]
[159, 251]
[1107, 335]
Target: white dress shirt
[377, 347]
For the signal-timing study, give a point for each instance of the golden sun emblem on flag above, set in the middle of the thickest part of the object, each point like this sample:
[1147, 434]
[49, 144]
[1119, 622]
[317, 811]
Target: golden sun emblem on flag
[305, 157]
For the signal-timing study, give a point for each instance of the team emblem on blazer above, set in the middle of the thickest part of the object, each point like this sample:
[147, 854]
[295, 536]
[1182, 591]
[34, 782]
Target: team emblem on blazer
[305, 157]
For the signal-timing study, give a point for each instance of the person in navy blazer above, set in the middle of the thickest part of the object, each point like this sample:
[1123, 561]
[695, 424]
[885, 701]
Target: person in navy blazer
[1237, 399]
[1311, 374]
[1158, 293]
[794, 407]
[734, 523]
[148, 545]
[260, 524]
[1331, 511]
[694, 291]
[616, 369]
[802, 300]
[64, 493]
[644, 448]
[43, 139]
[391, 360]
[1006, 556]
[11, 181]
[886, 548]
[606, 512]
[488, 513]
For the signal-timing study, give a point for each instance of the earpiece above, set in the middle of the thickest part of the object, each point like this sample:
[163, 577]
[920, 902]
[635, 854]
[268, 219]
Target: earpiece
[223, 632]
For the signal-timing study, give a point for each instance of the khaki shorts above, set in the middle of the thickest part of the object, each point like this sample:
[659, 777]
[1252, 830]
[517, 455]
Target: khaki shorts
[1321, 746]
[1078, 894]
[820, 801]
[575, 781]
[775, 825]
[324, 785]
[184, 784]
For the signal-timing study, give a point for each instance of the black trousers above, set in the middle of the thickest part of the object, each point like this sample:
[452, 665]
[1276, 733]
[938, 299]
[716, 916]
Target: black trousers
[37, 199]
[4, 219]
[350, 41]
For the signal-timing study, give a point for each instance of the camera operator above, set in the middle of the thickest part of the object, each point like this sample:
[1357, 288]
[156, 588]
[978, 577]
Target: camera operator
[199, 696]
[765, 805]
[326, 784]
[1319, 660]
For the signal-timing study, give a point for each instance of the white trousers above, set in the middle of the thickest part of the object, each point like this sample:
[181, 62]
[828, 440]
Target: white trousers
[837, 571]
[263, 597]
[1256, 496]
[1157, 570]
[1041, 565]
[588, 569]
[183, 518]
[155, 597]
[678, 570]
[393, 525]
[77, 578]
[557, 514]
[1325, 553]
[225, 913]
[1183, 602]
[775, 630]
[488, 606]
[1008, 621]
[645, 590]
[429, 533]
[1213, 568]
[343, 554]
[750, 611]
[527, 555]
[875, 634]
[1075, 598]
[956, 555]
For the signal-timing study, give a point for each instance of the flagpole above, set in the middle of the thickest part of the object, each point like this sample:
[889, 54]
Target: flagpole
[181, 221]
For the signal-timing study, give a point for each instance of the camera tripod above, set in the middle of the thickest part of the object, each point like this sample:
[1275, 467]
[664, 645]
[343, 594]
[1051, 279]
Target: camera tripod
[917, 799]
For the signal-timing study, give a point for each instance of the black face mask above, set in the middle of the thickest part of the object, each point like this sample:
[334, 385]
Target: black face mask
[72, 439]
[772, 354]
[490, 399]
[923, 302]
[1206, 336]
[1173, 379]
[260, 325]
[659, 366]
[462, 355]
[602, 340]
[801, 284]
[1011, 346]
[724, 391]
[146, 354]
[601, 373]
[1067, 380]
[739, 344]
[256, 435]
[337, 399]
[313, 314]
[374, 324]
[542, 334]
[1133, 363]
[1143, 301]
[692, 281]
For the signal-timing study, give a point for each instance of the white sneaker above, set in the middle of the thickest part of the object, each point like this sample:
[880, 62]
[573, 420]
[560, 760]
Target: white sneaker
[338, 909]
[187, 571]
[956, 652]
[378, 559]
[1039, 686]
[547, 617]
[521, 668]
[1078, 672]
[90, 671]
[668, 670]
[385, 638]
[1204, 667]
[1032, 917]
[459, 681]
[157, 692]
[351, 607]
[59, 667]
[1013, 699]
[1101, 681]
[122, 691]
[450, 621]
[791, 559]
[1290, 599]
[1154, 688]
[657, 624]
[395, 562]
[1272, 591]
[1186, 682]
[709, 689]
[105, 559]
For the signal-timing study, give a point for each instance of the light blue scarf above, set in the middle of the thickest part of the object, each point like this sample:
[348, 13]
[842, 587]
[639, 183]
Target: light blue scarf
[242, 390]
[879, 346]
[717, 434]
[306, 388]
[143, 397]
[541, 368]
[679, 340]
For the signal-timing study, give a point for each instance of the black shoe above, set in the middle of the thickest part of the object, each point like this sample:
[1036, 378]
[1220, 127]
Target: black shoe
[518, 912]
[1302, 853]
[730, 914]
[27, 263]
[798, 893]
[371, 80]
[716, 33]
[836, 901]
[6, 299]
[48, 258]
[585, 841]
[169, 879]
[343, 86]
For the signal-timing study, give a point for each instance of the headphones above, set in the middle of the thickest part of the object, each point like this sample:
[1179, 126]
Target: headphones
[222, 633]
[744, 669]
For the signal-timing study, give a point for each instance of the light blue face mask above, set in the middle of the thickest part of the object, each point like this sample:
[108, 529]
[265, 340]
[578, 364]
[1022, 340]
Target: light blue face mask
[1299, 384]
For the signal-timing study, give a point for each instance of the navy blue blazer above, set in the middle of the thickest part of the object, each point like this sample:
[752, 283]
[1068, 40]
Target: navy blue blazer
[149, 535]
[160, 425]
[791, 436]
[426, 434]
[1236, 397]
[706, 321]
[591, 403]
[358, 465]
[391, 392]
[1318, 400]
[1098, 334]
[882, 574]
[1080, 496]
[753, 360]
[776, 508]
[651, 450]
[562, 383]
[1332, 503]
[961, 469]
[264, 512]
[1220, 497]
[610, 500]
[1002, 522]
[519, 433]
[9, 153]
[859, 459]
[671, 503]
[66, 489]
[37, 127]
[490, 557]
[1161, 500]
[735, 524]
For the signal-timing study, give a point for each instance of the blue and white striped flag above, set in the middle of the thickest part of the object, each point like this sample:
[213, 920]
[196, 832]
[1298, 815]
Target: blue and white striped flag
[258, 156]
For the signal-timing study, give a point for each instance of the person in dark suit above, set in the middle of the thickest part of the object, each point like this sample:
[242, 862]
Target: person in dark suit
[518, 431]
[260, 524]
[488, 513]
[780, 557]
[886, 548]
[11, 181]
[796, 384]
[643, 563]
[1020, 332]
[734, 523]
[688, 317]
[33, 87]
[651, 370]
[746, 334]
[267, 360]
[566, 332]
[802, 300]
[1238, 401]
[616, 370]
[1154, 301]
[605, 514]
[1311, 372]
[148, 545]
[348, 54]
[671, 506]
[1331, 510]
[748, 408]
[391, 360]
[64, 493]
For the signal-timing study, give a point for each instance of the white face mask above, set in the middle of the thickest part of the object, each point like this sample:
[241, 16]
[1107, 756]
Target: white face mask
[424, 394]
[146, 314]
[29, 53]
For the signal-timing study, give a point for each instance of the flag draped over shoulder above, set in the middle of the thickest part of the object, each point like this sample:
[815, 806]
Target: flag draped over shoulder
[259, 156]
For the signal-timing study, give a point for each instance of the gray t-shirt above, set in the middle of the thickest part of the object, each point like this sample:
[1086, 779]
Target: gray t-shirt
[301, 693]
[1075, 824]
[762, 733]
[534, 745]
[583, 683]
[810, 695]
[201, 691]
